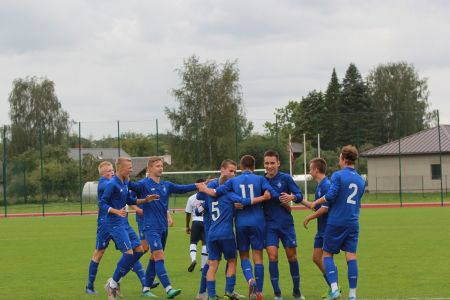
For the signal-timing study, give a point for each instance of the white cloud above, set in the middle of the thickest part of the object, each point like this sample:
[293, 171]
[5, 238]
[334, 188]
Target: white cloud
[115, 60]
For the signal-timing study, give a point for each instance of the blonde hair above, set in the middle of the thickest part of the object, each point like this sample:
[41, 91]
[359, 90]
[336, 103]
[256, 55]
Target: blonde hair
[121, 160]
[152, 160]
[102, 165]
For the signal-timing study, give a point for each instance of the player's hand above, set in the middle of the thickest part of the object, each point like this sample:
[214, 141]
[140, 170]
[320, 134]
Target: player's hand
[139, 211]
[238, 206]
[267, 195]
[188, 230]
[305, 222]
[121, 212]
[313, 205]
[151, 197]
[285, 198]
[286, 206]
[169, 221]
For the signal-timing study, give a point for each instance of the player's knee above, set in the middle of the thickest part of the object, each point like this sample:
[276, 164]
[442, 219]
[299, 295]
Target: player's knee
[317, 259]
[98, 254]
[158, 255]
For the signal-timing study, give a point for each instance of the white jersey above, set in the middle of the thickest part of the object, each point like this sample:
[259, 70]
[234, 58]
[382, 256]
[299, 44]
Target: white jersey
[191, 205]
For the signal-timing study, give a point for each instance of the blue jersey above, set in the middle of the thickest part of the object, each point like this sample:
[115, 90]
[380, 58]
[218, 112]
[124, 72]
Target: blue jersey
[206, 214]
[321, 190]
[344, 197]
[222, 214]
[155, 212]
[276, 215]
[140, 219]
[116, 196]
[102, 213]
[248, 185]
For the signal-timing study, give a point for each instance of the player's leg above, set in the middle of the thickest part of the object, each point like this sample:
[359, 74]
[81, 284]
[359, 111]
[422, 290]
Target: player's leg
[102, 241]
[214, 258]
[350, 246]
[272, 252]
[257, 243]
[127, 260]
[157, 242]
[229, 249]
[243, 245]
[288, 238]
[332, 241]
[194, 238]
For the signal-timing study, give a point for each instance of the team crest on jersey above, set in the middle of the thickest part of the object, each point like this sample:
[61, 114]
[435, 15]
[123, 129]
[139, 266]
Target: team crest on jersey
[164, 189]
[279, 185]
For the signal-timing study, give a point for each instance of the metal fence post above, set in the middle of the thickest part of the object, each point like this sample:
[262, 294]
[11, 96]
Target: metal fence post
[157, 138]
[42, 170]
[5, 203]
[80, 169]
[399, 163]
[440, 158]
[118, 137]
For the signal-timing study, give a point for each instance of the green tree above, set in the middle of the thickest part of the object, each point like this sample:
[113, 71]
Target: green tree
[309, 117]
[330, 112]
[210, 119]
[354, 109]
[400, 98]
[36, 113]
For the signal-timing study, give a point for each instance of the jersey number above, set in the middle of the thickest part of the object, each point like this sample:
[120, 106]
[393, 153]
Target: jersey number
[353, 187]
[244, 194]
[215, 214]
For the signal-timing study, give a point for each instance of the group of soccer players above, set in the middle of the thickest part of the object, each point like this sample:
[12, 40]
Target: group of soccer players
[258, 206]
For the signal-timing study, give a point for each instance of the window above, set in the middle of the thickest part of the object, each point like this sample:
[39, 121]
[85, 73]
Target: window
[435, 172]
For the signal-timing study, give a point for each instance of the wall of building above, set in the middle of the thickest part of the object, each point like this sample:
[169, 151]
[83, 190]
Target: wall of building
[383, 173]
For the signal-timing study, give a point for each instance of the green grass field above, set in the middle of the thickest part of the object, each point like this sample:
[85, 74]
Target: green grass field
[402, 254]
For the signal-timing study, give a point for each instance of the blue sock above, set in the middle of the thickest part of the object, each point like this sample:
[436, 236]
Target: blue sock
[274, 276]
[203, 279]
[162, 273]
[326, 279]
[330, 269]
[139, 270]
[259, 276]
[352, 273]
[247, 269]
[211, 288]
[230, 282]
[136, 257]
[93, 267]
[295, 274]
[123, 266]
[150, 273]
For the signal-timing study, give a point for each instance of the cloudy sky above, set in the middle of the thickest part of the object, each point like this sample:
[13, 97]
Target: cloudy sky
[115, 60]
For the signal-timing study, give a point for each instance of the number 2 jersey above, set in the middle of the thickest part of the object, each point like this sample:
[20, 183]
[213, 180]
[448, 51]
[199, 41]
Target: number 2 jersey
[344, 197]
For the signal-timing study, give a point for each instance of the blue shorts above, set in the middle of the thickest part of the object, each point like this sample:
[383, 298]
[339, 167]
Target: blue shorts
[103, 237]
[124, 237]
[338, 238]
[318, 241]
[217, 247]
[247, 236]
[156, 239]
[286, 235]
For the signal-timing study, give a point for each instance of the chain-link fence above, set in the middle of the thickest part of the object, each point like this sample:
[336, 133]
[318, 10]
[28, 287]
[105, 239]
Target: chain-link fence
[401, 161]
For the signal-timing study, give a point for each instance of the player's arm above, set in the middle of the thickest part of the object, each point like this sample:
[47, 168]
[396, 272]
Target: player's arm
[137, 209]
[332, 193]
[320, 212]
[169, 219]
[296, 192]
[149, 198]
[267, 187]
[180, 188]
[106, 201]
[218, 191]
[137, 187]
[188, 210]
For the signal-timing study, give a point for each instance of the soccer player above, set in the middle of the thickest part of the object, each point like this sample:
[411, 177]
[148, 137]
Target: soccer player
[250, 221]
[156, 222]
[341, 233]
[280, 223]
[227, 168]
[196, 231]
[114, 199]
[317, 169]
[106, 171]
[221, 238]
